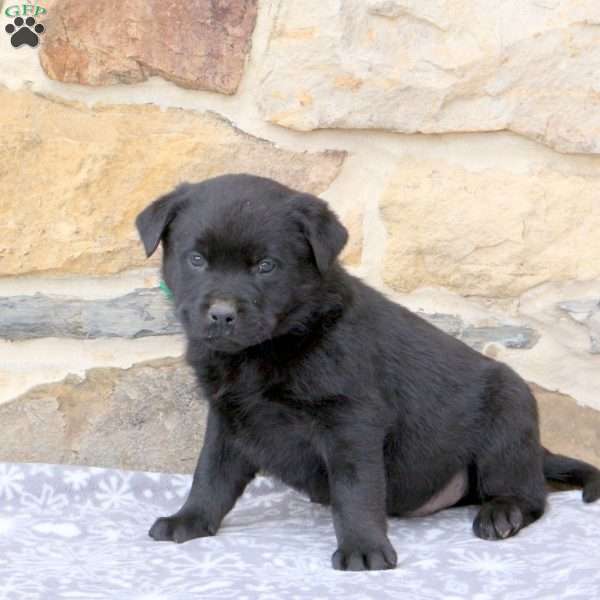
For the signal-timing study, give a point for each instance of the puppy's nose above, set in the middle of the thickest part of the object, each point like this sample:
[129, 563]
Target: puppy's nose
[222, 313]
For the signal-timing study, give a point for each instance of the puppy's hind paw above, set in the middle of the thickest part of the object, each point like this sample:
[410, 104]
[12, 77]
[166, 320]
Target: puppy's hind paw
[497, 520]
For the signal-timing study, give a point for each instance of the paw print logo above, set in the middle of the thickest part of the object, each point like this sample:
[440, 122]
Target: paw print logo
[24, 32]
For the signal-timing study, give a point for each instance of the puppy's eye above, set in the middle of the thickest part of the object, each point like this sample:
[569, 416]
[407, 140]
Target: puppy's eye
[197, 260]
[266, 265]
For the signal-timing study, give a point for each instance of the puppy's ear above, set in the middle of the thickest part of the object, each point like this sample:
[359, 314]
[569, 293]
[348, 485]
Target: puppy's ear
[155, 218]
[323, 230]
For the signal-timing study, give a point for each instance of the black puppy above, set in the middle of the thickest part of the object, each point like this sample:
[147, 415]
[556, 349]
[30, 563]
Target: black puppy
[321, 381]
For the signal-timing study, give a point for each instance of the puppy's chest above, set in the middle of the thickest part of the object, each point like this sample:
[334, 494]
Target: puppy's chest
[267, 417]
[273, 437]
[271, 412]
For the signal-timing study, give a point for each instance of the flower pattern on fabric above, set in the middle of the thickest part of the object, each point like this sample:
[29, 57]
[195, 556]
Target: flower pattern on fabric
[82, 532]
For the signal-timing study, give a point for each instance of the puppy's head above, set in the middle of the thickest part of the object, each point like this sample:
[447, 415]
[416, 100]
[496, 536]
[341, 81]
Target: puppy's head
[244, 256]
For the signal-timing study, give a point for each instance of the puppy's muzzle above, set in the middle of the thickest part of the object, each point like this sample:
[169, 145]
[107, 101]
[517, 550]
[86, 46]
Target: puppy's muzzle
[221, 317]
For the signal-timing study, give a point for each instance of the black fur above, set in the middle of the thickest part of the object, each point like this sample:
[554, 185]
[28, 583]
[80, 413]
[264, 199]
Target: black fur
[321, 381]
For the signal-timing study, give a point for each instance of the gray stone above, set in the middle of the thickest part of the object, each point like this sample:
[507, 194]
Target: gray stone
[141, 313]
[148, 312]
[587, 313]
[451, 324]
[510, 336]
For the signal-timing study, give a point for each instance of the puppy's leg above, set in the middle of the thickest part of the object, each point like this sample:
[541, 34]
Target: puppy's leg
[316, 485]
[510, 462]
[219, 479]
[357, 489]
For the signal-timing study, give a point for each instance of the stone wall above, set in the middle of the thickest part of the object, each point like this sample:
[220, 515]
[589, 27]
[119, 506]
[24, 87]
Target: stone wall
[458, 141]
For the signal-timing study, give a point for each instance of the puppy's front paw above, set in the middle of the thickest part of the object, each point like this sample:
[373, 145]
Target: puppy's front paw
[377, 558]
[180, 528]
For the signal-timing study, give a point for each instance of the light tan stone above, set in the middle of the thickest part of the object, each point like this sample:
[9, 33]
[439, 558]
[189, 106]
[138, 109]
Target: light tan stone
[489, 233]
[437, 66]
[74, 178]
[148, 417]
[568, 428]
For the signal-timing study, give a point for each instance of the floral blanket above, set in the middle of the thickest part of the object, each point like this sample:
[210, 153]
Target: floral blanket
[81, 533]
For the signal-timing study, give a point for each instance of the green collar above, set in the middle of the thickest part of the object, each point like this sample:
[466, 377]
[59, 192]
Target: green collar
[166, 290]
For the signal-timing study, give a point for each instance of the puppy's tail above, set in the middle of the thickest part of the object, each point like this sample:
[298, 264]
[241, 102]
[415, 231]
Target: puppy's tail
[574, 472]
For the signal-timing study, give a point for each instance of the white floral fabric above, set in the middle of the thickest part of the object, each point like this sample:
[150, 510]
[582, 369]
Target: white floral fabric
[71, 532]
